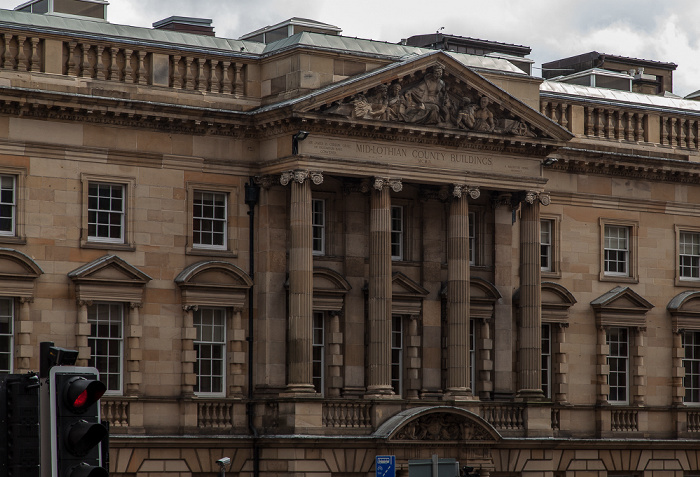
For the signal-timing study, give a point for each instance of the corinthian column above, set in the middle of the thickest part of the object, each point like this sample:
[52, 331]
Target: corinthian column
[301, 287]
[530, 329]
[379, 376]
[458, 382]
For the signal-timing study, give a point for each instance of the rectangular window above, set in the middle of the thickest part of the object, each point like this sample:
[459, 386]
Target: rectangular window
[210, 347]
[397, 354]
[7, 319]
[8, 204]
[546, 359]
[397, 231]
[691, 363]
[618, 362]
[546, 245]
[106, 212]
[689, 255]
[472, 238]
[318, 352]
[616, 250]
[209, 220]
[318, 226]
[107, 343]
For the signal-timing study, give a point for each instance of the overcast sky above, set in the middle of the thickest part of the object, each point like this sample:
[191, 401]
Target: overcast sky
[658, 30]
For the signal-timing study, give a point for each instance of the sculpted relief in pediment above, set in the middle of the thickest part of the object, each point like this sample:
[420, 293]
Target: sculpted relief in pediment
[432, 101]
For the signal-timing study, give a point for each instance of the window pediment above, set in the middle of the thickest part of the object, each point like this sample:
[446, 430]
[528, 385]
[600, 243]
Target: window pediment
[556, 301]
[109, 278]
[407, 295]
[18, 273]
[621, 306]
[685, 311]
[330, 289]
[214, 283]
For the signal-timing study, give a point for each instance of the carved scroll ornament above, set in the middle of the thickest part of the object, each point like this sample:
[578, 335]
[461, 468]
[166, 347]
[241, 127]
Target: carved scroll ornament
[431, 101]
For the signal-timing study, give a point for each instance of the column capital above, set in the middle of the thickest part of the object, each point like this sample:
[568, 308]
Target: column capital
[382, 182]
[135, 304]
[26, 299]
[84, 302]
[190, 307]
[300, 175]
[460, 189]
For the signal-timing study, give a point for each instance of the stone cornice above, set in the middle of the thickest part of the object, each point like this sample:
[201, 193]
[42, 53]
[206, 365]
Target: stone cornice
[685, 173]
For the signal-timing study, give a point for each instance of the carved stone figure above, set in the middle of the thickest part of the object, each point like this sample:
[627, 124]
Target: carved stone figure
[484, 117]
[431, 101]
[427, 99]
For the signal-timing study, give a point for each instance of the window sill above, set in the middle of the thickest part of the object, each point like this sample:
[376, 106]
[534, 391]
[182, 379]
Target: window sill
[207, 252]
[688, 282]
[108, 246]
[13, 239]
[618, 278]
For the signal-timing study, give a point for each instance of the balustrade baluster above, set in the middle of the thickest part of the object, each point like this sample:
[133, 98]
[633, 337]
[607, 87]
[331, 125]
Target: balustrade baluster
[99, 63]
[227, 78]
[34, 59]
[140, 73]
[113, 64]
[189, 72]
[565, 115]
[238, 89]
[128, 70]
[22, 60]
[176, 76]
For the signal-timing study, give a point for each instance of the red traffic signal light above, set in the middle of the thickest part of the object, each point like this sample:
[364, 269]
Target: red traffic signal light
[77, 433]
[81, 393]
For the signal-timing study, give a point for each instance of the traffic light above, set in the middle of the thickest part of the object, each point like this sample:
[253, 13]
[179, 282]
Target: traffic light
[19, 425]
[77, 434]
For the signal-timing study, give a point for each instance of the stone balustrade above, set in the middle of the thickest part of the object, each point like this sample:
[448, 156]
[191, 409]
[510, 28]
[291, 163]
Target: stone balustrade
[127, 64]
[347, 414]
[504, 416]
[624, 420]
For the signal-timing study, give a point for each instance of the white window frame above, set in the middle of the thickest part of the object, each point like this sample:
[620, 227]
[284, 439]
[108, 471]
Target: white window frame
[217, 314]
[319, 352]
[318, 225]
[615, 246]
[546, 338]
[213, 219]
[98, 211]
[8, 335]
[689, 255]
[8, 203]
[397, 358]
[618, 364]
[96, 318]
[546, 245]
[398, 225]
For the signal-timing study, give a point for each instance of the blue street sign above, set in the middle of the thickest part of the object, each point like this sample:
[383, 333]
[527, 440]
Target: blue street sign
[386, 465]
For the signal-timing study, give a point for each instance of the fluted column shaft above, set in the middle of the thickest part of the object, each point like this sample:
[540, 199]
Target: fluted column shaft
[458, 276]
[300, 324]
[379, 378]
[530, 330]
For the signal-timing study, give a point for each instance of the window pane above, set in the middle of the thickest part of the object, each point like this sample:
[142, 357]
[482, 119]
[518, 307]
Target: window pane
[105, 341]
[210, 347]
[106, 212]
[7, 205]
[209, 220]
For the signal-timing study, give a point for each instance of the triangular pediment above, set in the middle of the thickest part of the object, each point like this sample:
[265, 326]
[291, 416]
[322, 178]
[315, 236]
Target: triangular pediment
[109, 269]
[621, 306]
[433, 91]
[402, 286]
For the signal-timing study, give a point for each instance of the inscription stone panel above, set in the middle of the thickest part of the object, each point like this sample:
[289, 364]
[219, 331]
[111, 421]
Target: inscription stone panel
[434, 158]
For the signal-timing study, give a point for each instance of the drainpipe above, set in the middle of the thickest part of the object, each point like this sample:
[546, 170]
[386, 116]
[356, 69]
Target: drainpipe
[252, 194]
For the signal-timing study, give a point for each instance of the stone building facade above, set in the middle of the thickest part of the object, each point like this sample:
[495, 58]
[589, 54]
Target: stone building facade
[304, 254]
